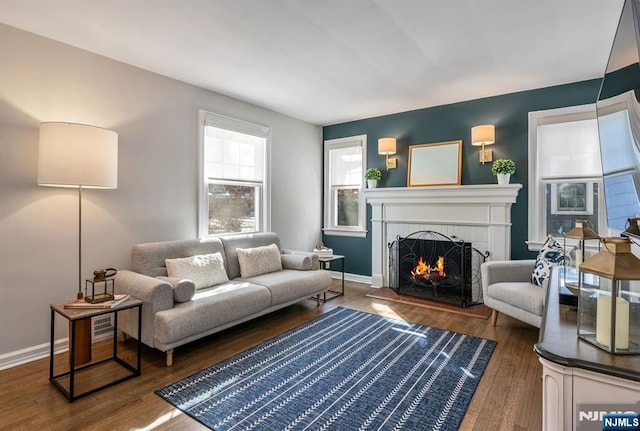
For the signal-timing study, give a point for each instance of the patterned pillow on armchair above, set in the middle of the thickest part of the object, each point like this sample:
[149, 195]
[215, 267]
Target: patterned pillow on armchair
[550, 254]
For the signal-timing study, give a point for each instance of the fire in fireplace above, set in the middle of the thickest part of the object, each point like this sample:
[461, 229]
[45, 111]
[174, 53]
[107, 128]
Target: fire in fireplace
[430, 265]
[425, 271]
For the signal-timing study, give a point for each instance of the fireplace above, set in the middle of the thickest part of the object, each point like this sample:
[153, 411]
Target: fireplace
[432, 266]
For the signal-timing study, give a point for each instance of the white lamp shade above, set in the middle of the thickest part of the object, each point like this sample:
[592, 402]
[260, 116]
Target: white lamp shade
[483, 135]
[74, 155]
[387, 146]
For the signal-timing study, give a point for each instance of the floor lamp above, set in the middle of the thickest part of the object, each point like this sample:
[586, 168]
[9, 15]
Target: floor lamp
[78, 156]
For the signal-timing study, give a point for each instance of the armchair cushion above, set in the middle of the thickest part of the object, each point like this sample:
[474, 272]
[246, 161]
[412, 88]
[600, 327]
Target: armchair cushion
[522, 295]
[549, 255]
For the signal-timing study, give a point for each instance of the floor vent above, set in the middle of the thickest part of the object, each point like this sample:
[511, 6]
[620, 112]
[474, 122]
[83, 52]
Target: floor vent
[102, 326]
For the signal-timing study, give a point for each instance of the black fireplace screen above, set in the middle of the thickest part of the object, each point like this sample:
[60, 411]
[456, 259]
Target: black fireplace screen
[432, 266]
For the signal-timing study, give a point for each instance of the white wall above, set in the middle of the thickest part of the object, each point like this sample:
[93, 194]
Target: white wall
[156, 199]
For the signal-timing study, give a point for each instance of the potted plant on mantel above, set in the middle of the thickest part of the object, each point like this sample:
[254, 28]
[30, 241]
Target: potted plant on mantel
[372, 175]
[503, 169]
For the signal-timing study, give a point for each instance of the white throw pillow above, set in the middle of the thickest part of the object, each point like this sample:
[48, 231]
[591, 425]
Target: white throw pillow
[204, 270]
[259, 260]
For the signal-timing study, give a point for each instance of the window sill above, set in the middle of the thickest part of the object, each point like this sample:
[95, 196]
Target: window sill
[345, 232]
[535, 245]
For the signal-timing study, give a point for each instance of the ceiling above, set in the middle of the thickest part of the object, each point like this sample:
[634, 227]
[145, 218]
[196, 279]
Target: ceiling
[331, 61]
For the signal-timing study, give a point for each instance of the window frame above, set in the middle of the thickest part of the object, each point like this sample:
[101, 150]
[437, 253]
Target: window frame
[330, 204]
[263, 216]
[555, 210]
[537, 194]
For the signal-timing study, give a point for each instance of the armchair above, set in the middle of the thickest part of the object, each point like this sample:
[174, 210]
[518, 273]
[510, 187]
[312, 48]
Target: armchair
[507, 288]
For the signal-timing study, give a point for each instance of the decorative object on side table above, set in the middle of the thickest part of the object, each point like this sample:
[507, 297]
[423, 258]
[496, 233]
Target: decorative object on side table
[322, 250]
[102, 287]
[503, 169]
[608, 306]
[372, 175]
[577, 243]
[81, 304]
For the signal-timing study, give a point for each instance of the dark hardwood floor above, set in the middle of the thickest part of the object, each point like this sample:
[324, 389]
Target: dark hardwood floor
[509, 396]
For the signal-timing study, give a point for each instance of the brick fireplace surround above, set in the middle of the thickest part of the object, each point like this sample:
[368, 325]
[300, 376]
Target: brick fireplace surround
[480, 214]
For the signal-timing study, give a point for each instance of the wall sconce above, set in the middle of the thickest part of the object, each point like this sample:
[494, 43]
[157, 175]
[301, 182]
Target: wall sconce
[387, 146]
[484, 135]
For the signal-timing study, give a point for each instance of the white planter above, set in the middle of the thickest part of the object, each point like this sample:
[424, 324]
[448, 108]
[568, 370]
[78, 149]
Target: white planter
[503, 178]
[372, 184]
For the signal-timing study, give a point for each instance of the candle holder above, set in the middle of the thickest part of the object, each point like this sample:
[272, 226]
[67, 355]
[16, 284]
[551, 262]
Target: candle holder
[609, 298]
[578, 242]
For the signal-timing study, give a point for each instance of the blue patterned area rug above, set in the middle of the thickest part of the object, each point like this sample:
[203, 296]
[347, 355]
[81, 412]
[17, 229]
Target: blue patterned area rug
[344, 370]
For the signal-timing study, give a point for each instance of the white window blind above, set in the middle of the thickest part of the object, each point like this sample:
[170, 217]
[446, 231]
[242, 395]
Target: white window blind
[568, 150]
[346, 166]
[617, 138]
[232, 155]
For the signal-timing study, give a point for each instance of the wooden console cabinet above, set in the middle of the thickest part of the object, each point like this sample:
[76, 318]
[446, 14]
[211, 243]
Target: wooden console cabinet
[578, 379]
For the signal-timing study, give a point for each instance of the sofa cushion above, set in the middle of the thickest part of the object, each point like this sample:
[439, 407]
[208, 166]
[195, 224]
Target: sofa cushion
[204, 270]
[296, 261]
[150, 258]
[550, 254]
[520, 294]
[183, 288]
[209, 309]
[259, 260]
[289, 284]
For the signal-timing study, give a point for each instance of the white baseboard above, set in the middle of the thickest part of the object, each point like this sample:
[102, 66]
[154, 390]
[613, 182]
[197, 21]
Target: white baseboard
[356, 278]
[30, 354]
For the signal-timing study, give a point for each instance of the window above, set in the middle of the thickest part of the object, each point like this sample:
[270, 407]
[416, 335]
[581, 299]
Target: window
[620, 137]
[344, 205]
[565, 174]
[233, 185]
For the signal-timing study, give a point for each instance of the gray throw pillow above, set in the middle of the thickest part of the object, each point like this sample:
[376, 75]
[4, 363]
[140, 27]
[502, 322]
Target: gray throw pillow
[296, 261]
[183, 289]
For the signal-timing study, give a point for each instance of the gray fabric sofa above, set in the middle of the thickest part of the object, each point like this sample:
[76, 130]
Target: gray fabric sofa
[167, 324]
[507, 288]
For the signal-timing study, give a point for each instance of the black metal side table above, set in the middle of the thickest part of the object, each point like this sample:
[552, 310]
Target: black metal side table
[70, 377]
[326, 263]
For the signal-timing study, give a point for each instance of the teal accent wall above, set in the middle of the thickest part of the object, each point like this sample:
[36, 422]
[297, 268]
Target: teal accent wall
[509, 113]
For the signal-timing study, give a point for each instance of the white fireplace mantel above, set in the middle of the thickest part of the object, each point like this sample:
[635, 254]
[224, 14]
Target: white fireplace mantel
[480, 214]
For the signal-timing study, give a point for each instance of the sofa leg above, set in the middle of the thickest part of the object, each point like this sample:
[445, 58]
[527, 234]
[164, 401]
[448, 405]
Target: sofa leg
[169, 357]
[494, 317]
[318, 300]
